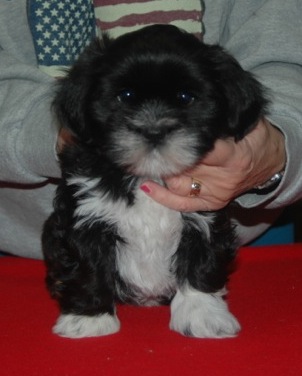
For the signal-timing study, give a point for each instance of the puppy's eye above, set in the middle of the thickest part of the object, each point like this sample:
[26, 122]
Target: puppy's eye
[126, 96]
[185, 98]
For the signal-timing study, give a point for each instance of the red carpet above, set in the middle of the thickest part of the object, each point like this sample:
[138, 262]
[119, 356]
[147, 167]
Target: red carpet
[265, 295]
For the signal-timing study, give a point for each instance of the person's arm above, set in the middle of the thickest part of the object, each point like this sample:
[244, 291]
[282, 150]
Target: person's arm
[28, 132]
[267, 43]
[265, 38]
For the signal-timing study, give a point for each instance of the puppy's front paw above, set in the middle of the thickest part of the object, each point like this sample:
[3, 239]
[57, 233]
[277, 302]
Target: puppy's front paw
[79, 326]
[202, 315]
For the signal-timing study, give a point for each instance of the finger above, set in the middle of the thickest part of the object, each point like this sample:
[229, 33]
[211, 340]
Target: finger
[173, 201]
[65, 137]
[181, 185]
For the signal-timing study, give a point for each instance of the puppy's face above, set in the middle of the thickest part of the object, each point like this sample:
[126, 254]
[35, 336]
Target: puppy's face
[149, 109]
[155, 101]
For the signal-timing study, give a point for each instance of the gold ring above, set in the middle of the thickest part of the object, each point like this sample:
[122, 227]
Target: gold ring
[195, 187]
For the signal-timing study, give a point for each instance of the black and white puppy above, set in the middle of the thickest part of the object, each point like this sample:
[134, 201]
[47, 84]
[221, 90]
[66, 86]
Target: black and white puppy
[147, 105]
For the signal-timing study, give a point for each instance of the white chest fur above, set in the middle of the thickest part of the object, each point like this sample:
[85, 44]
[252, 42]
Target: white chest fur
[151, 233]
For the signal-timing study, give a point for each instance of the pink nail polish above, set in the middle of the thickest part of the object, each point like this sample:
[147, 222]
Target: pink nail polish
[145, 188]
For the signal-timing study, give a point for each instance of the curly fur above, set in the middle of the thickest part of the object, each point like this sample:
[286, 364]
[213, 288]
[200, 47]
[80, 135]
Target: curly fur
[149, 104]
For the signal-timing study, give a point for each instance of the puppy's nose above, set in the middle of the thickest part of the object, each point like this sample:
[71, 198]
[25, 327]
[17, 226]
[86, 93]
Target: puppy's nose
[154, 133]
[156, 136]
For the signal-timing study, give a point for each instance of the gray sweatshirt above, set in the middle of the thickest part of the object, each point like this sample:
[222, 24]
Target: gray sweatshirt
[264, 35]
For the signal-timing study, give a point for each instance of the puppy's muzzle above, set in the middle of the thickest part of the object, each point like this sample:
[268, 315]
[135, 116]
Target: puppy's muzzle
[154, 133]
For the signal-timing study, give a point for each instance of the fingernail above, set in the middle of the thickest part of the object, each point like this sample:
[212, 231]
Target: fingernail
[145, 188]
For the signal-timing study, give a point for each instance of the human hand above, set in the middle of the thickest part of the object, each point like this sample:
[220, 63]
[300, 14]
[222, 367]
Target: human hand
[231, 169]
[64, 138]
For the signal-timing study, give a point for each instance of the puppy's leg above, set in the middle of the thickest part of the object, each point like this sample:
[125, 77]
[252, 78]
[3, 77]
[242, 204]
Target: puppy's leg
[78, 326]
[204, 315]
[198, 308]
[80, 277]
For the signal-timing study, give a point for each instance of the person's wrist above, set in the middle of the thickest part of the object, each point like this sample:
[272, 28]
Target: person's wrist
[275, 159]
[271, 183]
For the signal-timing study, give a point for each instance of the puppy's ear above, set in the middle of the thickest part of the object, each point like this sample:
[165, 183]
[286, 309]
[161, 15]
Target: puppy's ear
[71, 103]
[243, 96]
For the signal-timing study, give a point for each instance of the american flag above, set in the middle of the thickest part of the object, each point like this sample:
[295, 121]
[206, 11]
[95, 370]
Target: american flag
[121, 16]
[61, 29]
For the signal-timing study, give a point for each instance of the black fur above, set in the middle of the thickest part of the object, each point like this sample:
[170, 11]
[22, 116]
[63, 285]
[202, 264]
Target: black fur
[131, 86]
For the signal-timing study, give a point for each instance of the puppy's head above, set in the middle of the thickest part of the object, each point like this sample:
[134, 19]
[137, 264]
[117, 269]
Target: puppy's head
[155, 101]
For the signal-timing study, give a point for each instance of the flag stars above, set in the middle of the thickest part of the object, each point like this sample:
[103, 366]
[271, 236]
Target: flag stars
[40, 42]
[39, 12]
[47, 49]
[39, 27]
[46, 5]
[55, 42]
[61, 5]
[55, 57]
[61, 29]
[54, 13]
[47, 35]
[54, 27]
[46, 20]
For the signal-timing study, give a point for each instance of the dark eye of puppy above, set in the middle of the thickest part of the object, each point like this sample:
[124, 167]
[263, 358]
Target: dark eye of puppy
[126, 96]
[129, 96]
[185, 98]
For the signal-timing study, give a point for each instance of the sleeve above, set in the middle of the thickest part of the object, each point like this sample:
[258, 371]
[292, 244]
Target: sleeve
[27, 127]
[265, 37]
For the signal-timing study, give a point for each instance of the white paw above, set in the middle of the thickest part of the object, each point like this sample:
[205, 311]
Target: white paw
[202, 315]
[79, 326]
